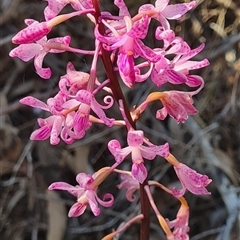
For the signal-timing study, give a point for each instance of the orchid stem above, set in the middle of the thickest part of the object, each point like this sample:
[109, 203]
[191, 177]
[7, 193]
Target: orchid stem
[118, 95]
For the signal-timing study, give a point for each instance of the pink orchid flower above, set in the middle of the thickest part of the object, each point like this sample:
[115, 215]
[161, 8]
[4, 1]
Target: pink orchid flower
[55, 6]
[135, 141]
[129, 44]
[130, 184]
[176, 71]
[84, 101]
[50, 127]
[38, 51]
[177, 104]
[85, 193]
[180, 224]
[165, 11]
[73, 81]
[191, 180]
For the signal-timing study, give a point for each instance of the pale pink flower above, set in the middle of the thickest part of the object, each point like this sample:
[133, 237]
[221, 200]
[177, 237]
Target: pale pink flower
[165, 11]
[191, 180]
[130, 184]
[49, 128]
[86, 195]
[177, 104]
[172, 44]
[135, 141]
[38, 51]
[55, 6]
[176, 71]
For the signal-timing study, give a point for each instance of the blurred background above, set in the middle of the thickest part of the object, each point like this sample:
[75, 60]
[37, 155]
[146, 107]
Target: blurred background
[208, 142]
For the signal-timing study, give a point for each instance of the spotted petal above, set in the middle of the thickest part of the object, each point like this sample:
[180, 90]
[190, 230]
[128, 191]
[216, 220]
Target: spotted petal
[191, 180]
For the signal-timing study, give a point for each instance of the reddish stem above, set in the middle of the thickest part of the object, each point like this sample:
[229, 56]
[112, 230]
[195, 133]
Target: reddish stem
[118, 95]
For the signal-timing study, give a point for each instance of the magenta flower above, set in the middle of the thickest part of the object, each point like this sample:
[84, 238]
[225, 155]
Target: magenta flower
[86, 101]
[85, 193]
[38, 51]
[165, 11]
[135, 141]
[50, 127]
[130, 184]
[190, 180]
[70, 118]
[177, 104]
[176, 71]
[55, 6]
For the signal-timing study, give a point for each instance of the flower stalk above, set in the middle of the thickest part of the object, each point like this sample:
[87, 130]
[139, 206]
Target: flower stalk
[84, 100]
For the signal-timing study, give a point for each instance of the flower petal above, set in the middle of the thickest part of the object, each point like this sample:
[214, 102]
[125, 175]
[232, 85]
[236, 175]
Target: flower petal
[123, 10]
[34, 102]
[61, 186]
[192, 180]
[26, 51]
[107, 201]
[66, 187]
[176, 11]
[135, 138]
[62, 40]
[56, 129]
[91, 196]
[145, 52]
[151, 151]
[139, 172]
[32, 33]
[194, 80]
[96, 107]
[161, 4]
[77, 209]
[130, 184]
[161, 114]
[84, 180]
[42, 133]
[118, 153]
[125, 64]
[140, 28]
[38, 61]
